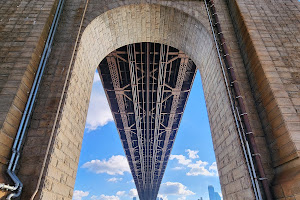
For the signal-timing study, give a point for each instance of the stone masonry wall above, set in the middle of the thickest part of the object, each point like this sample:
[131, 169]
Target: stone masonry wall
[23, 29]
[24, 26]
[268, 34]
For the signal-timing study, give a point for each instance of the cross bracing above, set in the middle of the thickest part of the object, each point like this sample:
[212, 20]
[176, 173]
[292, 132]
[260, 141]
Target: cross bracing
[147, 85]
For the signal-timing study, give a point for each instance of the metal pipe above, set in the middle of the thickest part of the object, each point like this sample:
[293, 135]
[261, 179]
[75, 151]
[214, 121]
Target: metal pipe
[249, 160]
[247, 155]
[28, 110]
[60, 104]
[7, 187]
[42, 64]
[240, 101]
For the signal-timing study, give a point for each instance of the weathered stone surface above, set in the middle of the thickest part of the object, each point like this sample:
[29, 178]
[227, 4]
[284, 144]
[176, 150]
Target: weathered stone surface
[263, 40]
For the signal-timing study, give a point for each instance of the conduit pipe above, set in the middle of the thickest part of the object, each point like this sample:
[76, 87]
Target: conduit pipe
[60, 103]
[28, 110]
[237, 119]
[240, 101]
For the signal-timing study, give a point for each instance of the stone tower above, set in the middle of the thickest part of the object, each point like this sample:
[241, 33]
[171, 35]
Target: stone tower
[263, 42]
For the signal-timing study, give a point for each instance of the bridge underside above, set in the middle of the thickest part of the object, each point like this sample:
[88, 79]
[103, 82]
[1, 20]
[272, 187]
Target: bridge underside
[147, 85]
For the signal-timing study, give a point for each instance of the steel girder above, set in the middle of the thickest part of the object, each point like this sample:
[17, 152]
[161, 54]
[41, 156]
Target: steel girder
[147, 86]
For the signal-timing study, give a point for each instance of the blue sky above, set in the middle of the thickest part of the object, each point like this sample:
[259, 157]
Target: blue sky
[103, 172]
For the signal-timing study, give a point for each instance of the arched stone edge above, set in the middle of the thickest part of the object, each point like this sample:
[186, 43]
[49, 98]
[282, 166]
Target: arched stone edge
[133, 24]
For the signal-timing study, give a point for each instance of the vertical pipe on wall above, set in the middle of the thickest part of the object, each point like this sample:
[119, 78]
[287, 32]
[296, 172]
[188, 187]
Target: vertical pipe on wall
[28, 110]
[237, 120]
[240, 101]
[60, 104]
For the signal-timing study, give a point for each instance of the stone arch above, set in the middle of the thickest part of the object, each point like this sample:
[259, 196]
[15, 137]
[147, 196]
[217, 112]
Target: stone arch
[262, 55]
[156, 23]
[160, 24]
[133, 24]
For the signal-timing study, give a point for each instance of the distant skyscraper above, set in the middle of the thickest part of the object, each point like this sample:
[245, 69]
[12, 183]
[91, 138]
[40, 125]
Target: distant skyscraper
[134, 198]
[212, 194]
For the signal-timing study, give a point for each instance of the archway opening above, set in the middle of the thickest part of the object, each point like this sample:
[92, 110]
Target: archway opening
[169, 26]
[147, 85]
[109, 31]
[156, 79]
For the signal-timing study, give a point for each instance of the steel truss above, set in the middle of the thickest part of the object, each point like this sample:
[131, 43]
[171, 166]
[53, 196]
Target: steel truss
[147, 86]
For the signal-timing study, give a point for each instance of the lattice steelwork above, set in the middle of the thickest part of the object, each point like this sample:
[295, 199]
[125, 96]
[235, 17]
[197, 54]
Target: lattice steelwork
[147, 86]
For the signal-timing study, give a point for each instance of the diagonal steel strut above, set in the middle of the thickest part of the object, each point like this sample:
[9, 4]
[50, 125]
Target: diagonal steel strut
[159, 99]
[176, 96]
[147, 93]
[134, 87]
[119, 96]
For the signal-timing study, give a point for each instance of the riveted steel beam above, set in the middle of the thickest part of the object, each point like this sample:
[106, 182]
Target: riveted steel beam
[176, 95]
[135, 95]
[112, 65]
[147, 85]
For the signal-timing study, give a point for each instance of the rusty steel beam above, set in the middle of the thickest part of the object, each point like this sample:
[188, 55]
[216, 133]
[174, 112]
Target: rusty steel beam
[119, 96]
[133, 78]
[159, 99]
[176, 96]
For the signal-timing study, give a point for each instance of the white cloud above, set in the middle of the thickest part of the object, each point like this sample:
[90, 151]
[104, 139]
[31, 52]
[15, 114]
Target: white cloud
[174, 188]
[120, 193]
[196, 168]
[199, 168]
[78, 194]
[105, 197]
[192, 154]
[213, 167]
[99, 113]
[114, 179]
[164, 197]
[178, 168]
[114, 165]
[133, 192]
[96, 77]
[181, 159]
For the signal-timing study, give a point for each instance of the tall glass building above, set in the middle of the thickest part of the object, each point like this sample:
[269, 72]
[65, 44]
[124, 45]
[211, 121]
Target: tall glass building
[212, 194]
